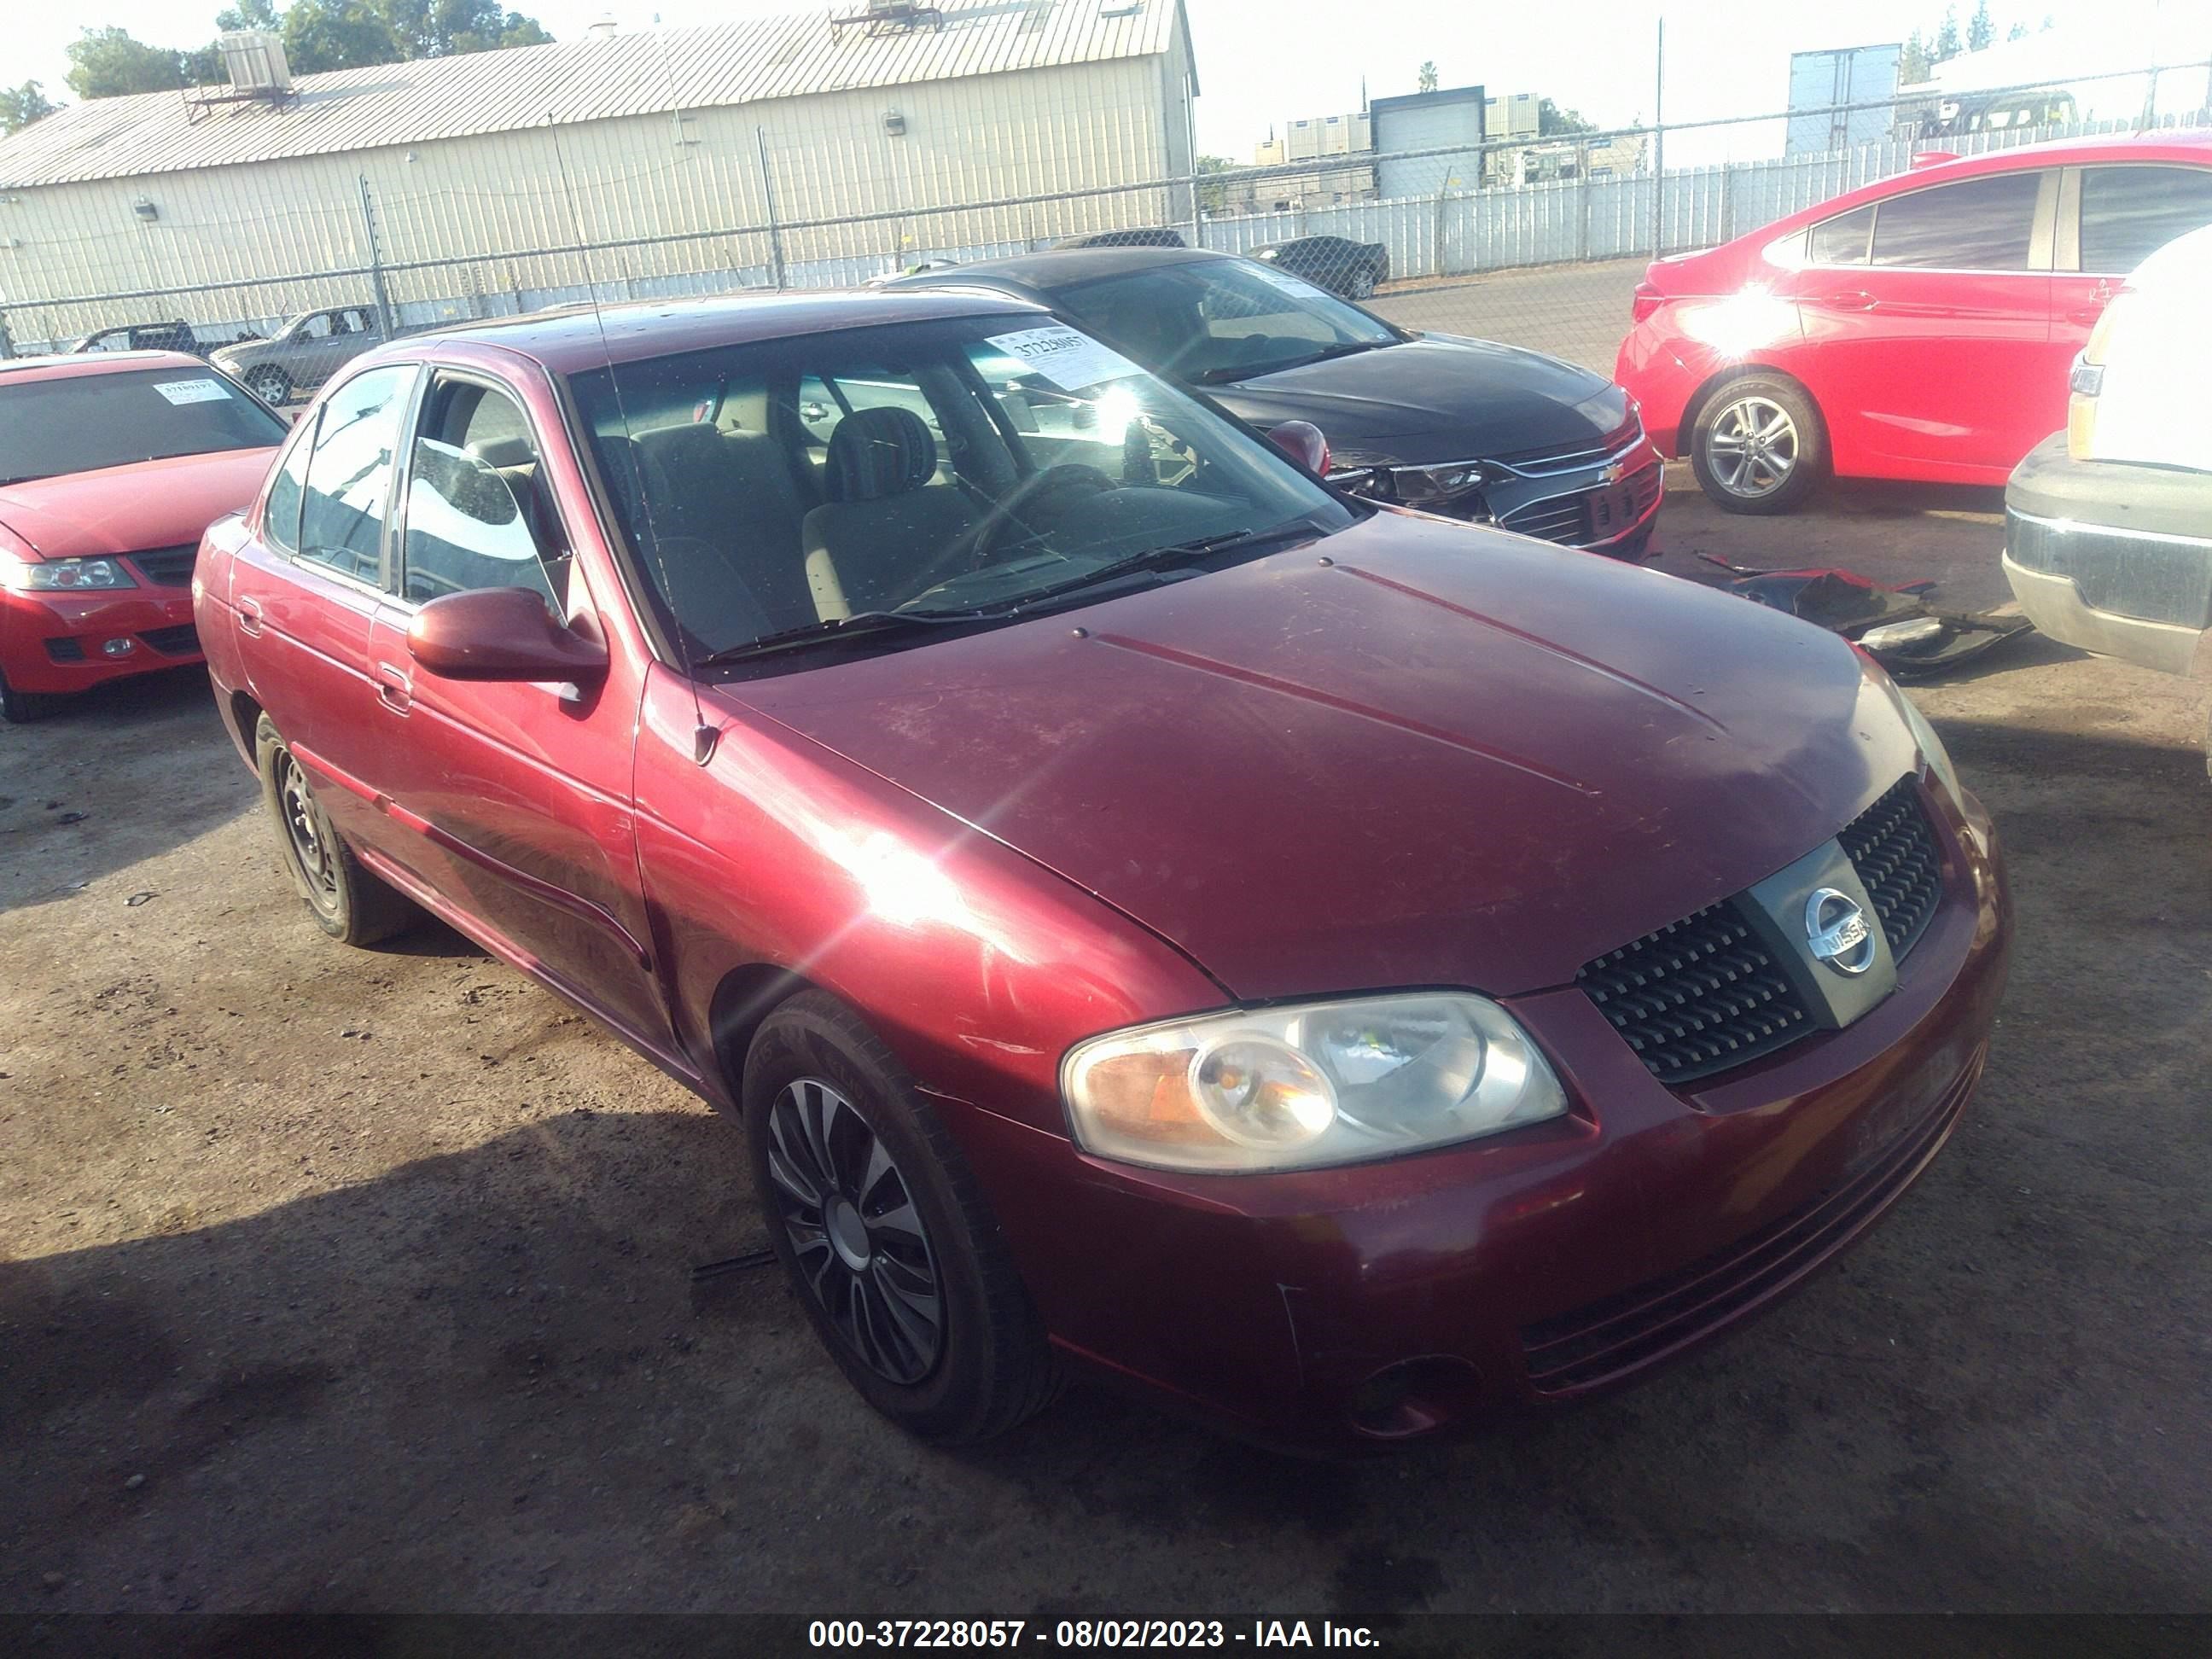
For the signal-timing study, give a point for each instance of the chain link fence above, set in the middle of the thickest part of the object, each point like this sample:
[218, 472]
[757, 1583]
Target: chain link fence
[291, 268]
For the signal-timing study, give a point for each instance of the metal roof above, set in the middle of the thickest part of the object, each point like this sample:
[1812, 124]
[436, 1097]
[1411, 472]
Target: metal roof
[648, 72]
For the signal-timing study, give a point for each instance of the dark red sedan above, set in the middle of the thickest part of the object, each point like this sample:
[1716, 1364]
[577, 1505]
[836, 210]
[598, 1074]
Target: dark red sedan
[1918, 327]
[111, 466]
[1349, 972]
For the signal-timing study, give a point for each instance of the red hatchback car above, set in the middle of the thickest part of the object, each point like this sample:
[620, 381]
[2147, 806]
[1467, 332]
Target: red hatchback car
[1920, 327]
[1348, 972]
[110, 468]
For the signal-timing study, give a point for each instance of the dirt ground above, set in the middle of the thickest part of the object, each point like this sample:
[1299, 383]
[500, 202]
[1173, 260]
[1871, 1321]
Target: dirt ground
[361, 1280]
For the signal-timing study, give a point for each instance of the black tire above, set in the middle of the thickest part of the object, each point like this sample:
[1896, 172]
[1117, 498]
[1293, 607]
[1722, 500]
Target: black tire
[272, 385]
[21, 707]
[878, 1247]
[348, 904]
[1758, 445]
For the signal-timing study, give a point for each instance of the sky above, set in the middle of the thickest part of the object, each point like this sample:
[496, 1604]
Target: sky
[1263, 61]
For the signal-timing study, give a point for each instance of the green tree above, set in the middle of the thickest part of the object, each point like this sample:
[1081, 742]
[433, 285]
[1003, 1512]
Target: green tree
[1946, 38]
[2019, 32]
[1552, 122]
[1427, 81]
[1912, 61]
[1980, 30]
[335, 35]
[1214, 198]
[250, 14]
[21, 105]
[443, 28]
[107, 63]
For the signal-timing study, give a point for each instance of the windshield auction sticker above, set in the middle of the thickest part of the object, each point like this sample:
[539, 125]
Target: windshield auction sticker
[1070, 361]
[191, 391]
[1282, 279]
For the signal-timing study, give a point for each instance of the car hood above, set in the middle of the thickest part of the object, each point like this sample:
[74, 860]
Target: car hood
[1432, 754]
[1440, 397]
[123, 509]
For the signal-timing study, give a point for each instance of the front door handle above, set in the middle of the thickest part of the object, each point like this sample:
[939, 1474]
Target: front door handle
[394, 689]
[249, 616]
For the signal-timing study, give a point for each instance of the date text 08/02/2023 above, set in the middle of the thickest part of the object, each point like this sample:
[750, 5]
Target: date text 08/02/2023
[1086, 1633]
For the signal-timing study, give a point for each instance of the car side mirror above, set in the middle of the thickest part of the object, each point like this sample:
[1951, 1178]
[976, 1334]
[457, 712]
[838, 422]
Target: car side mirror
[502, 634]
[1302, 442]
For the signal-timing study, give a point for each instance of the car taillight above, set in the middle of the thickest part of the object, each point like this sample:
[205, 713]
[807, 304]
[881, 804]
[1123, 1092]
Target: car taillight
[1648, 299]
[2086, 382]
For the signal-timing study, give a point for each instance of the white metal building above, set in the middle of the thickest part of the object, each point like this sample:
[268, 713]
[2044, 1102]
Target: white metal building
[676, 160]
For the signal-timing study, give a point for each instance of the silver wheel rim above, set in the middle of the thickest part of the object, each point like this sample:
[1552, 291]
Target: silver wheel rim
[1752, 447]
[303, 833]
[863, 1255]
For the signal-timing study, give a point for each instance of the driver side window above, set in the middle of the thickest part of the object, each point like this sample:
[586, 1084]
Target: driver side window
[478, 513]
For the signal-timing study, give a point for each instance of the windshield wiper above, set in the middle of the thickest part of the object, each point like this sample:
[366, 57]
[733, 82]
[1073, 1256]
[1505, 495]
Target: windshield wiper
[1160, 558]
[860, 625]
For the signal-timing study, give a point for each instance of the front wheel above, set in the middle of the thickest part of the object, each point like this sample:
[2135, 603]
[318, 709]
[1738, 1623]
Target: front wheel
[346, 901]
[272, 385]
[1757, 446]
[20, 707]
[873, 1212]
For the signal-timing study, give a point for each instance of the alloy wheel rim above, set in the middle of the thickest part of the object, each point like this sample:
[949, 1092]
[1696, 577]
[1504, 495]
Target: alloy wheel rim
[303, 831]
[848, 1211]
[1752, 447]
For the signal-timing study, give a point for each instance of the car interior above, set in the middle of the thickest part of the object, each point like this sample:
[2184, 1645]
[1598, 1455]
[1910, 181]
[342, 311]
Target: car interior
[764, 502]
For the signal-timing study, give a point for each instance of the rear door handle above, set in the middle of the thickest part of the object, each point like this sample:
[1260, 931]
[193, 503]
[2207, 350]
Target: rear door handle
[394, 688]
[249, 616]
[1854, 299]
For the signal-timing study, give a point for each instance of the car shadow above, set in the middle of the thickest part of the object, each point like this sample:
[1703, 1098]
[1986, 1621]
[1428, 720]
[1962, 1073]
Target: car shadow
[127, 770]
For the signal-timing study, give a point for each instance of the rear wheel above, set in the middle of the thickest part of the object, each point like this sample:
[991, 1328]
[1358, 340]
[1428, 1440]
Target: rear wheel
[1757, 446]
[272, 385]
[874, 1213]
[347, 903]
[20, 707]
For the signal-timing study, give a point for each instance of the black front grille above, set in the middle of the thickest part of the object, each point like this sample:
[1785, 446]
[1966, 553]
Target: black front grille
[182, 640]
[1697, 996]
[1893, 847]
[167, 566]
[1557, 518]
[65, 650]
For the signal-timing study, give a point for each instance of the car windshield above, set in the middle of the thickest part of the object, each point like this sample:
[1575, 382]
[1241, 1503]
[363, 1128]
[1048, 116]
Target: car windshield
[872, 481]
[83, 423]
[1217, 320]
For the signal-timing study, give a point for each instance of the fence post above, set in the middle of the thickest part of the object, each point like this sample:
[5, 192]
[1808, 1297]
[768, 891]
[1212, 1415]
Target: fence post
[768, 197]
[384, 317]
[1659, 146]
[7, 339]
[1582, 204]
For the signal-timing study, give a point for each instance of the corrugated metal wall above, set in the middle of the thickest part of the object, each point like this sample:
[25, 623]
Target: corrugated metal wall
[660, 203]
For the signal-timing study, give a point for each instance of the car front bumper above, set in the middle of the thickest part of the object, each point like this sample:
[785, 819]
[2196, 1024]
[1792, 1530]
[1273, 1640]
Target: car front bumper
[59, 642]
[1342, 1309]
[2110, 558]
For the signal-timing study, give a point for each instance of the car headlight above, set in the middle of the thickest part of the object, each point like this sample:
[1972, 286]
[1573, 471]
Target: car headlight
[1924, 735]
[1436, 483]
[61, 575]
[1303, 1087]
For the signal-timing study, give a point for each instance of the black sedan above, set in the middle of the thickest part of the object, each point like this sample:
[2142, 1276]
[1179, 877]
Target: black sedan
[1344, 267]
[1466, 428]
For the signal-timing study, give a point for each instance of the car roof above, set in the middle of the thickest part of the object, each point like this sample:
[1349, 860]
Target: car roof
[62, 366]
[576, 338]
[1057, 268]
[2191, 147]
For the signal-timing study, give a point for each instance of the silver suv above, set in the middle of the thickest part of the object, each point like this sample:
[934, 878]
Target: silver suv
[306, 352]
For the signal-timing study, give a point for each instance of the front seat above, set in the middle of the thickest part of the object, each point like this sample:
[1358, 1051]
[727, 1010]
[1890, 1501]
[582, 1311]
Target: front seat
[882, 535]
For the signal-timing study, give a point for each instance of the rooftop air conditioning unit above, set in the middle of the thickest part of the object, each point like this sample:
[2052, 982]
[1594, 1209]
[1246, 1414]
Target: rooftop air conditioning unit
[254, 59]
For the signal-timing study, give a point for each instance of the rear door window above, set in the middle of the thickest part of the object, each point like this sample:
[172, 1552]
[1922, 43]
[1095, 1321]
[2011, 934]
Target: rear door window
[1843, 240]
[350, 475]
[280, 519]
[2129, 213]
[1977, 224]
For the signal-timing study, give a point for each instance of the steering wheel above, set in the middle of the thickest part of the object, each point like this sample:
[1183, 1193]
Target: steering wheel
[1046, 486]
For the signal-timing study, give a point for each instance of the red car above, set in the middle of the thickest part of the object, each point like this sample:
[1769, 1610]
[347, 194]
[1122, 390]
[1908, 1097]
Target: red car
[1349, 972]
[110, 468]
[1921, 327]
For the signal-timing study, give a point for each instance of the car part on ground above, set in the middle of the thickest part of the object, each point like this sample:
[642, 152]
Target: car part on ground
[736, 638]
[1909, 637]
[1919, 327]
[1462, 428]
